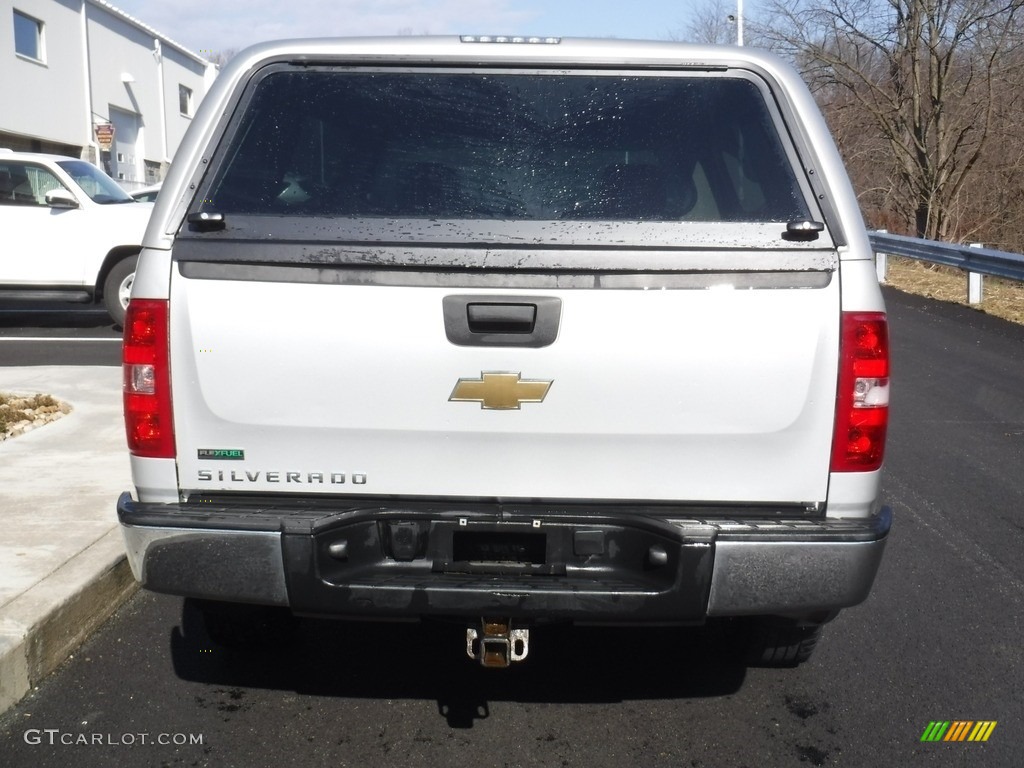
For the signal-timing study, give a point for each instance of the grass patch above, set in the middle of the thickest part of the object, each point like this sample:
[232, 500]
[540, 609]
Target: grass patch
[1000, 298]
[19, 409]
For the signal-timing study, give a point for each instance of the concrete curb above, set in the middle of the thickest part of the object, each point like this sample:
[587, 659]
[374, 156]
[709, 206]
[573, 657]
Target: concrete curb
[63, 569]
[45, 625]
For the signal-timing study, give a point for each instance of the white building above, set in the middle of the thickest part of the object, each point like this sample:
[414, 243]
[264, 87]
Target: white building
[83, 78]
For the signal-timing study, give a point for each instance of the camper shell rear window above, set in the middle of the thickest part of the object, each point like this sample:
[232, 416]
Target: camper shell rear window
[507, 146]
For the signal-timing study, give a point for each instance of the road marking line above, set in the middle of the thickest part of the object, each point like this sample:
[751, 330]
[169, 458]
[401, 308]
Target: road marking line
[51, 338]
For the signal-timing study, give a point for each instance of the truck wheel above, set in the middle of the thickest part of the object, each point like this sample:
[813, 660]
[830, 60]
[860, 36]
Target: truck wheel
[117, 288]
[238, 625]
[780, 642]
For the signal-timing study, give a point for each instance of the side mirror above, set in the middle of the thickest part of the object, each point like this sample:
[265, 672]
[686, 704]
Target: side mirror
[60, 198]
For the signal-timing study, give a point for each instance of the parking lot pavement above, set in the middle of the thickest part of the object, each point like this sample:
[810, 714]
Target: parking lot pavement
[62, 564]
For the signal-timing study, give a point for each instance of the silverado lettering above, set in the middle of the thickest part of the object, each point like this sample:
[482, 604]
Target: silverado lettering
[237, 476]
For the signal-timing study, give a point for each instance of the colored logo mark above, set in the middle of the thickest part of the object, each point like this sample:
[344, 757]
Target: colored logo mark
[221, 454]
[500, 391]
[958, 730]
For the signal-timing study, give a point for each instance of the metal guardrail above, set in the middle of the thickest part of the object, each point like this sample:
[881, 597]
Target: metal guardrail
[969, 258]
[972, 259]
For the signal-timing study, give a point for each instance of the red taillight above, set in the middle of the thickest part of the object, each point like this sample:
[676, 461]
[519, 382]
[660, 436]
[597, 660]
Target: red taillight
[147, 381]
[862, 402]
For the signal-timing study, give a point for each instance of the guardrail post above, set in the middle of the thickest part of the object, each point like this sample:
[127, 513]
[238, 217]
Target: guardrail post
[974, 282]
[882, 262]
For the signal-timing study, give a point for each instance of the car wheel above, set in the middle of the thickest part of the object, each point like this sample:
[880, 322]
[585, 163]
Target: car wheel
[239, 625]
[117, 288]
[779, 642]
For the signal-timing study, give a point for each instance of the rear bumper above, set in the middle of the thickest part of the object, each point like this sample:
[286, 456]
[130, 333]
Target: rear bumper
[530, 562]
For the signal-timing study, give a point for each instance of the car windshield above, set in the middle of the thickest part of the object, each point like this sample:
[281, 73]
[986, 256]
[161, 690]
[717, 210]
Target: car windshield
[95, 183]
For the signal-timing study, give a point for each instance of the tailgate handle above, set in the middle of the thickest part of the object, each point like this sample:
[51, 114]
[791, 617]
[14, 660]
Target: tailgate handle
[497, 321]
[501, 318]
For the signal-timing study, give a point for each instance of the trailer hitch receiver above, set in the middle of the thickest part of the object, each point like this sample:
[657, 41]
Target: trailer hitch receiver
[496, 644]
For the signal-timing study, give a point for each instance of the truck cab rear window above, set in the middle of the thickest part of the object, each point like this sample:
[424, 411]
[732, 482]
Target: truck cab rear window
[531, 147]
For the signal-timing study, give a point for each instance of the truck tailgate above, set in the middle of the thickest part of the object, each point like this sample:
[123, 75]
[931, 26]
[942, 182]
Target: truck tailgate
[720, 394]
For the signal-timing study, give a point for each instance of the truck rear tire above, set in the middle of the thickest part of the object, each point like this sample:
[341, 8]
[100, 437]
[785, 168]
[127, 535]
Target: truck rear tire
[779, 642]
[117, 288]
[239, 625]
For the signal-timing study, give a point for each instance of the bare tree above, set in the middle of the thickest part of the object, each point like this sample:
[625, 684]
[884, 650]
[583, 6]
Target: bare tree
[714, 22]
[221, 58]
[924, 73]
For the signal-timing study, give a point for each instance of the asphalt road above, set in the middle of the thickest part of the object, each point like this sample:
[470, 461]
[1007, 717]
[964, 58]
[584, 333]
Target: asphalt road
[56, 333]
[939, 639]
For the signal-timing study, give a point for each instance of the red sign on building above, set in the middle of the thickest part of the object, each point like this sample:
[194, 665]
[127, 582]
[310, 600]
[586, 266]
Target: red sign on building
[105, 136]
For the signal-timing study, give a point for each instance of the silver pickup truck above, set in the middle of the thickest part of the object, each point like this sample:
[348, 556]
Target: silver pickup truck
[508, 331]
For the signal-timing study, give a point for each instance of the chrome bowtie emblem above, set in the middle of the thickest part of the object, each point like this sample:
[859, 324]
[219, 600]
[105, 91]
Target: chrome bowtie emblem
[499, 391]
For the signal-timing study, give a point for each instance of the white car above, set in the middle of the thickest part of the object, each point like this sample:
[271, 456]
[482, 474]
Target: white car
[146, 194]
[67, 232]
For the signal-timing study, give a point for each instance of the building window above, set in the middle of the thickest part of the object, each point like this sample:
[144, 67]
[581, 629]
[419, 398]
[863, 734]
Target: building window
[185, 100]
[28, 36]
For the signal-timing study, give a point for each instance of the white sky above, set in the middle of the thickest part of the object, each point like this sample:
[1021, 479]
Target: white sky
[206, 26]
